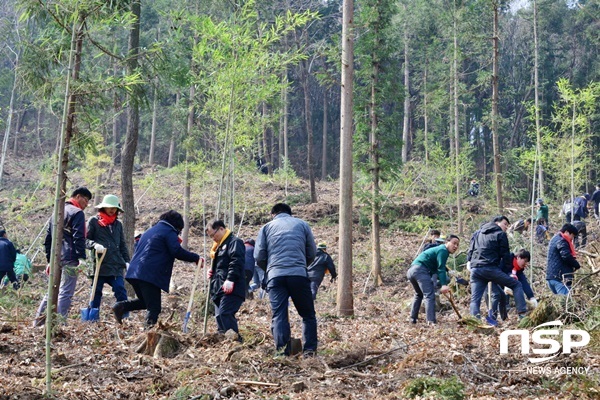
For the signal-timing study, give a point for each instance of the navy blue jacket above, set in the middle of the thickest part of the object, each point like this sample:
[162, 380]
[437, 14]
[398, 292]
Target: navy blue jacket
[73, 243]
[488, 247]
[507, 267]
[249, 261]
[228, 264]
[580, 207]
[8, 255]
[561, 262]
[155, 254]
[322, 262]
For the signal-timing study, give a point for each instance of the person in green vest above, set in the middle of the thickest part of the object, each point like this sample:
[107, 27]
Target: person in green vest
[542, 211]
[428, 263]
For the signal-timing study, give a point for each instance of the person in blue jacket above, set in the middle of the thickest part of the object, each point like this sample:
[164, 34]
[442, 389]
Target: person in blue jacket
[227, 279]
[151, 267]
[8, 255]
[514, 265]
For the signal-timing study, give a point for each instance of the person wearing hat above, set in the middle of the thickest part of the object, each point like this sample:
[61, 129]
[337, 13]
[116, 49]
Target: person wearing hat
[8, 255]
[316, 270]
[105, 235]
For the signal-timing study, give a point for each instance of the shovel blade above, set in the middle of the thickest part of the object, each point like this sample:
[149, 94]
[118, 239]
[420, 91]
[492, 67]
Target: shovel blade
[90, 314]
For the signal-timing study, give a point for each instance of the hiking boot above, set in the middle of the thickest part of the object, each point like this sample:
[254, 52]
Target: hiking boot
[119, 312]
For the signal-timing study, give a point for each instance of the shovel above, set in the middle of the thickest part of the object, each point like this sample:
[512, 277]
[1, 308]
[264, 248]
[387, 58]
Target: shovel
[449, 297]
[188, 313]
[89, 313]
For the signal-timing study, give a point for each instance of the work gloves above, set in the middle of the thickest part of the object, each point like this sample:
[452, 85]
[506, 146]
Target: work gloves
[99, 248]
[532, 303]
[444, 289]
[228, 287]
[508, 291]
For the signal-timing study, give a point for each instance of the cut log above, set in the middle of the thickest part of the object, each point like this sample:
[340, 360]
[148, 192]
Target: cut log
[159, 345]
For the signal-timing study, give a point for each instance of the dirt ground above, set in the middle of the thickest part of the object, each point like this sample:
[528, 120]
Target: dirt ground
[375, 354]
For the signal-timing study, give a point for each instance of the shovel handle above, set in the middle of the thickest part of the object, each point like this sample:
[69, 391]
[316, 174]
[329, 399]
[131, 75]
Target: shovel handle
[96, 274]
[449, 297]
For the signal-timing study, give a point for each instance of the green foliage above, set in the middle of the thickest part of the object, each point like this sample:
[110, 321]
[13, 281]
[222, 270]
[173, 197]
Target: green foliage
[182, 393]
[447, 389]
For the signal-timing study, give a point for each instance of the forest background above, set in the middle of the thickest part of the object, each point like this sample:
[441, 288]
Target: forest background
[444, 92]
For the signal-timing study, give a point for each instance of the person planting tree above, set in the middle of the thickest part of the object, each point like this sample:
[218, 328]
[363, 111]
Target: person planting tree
[428, 263]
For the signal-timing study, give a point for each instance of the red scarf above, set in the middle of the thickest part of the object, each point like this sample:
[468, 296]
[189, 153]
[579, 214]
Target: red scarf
[568, 239]
[74, 202]
[104, 219]
[516, 267]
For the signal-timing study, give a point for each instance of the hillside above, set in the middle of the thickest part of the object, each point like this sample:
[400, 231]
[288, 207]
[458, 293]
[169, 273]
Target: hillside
[376, 354]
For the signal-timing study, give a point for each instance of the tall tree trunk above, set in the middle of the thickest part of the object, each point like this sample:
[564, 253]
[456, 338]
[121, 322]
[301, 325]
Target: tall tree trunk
[536, 85]
[188, 175]
[115, 128]
[266, 139]
[375, 169]
[497, 166]
[67, 129]
[406, 125]
[171, 159]
[153, 129]
[324, 142]
[456, 127]
[425, 116]
[131, 139]
[8, 125]
[38, 129]
[309, 132]
[345, 298]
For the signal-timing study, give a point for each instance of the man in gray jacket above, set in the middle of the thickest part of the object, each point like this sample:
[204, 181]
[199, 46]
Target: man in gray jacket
[284, 248]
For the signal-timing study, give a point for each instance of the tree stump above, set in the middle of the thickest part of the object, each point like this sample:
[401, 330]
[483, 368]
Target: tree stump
[159, 345]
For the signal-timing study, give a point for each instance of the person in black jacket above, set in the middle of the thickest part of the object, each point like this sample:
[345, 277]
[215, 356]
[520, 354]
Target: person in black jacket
[596, 199]
[227, 280]
[72, 252]
[316, 270]
[487, 250]
[8, 255]
[562, 263]
[105, 235]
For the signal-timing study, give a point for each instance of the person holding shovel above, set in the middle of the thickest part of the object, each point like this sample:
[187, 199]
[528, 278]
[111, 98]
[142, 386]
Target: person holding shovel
[428, 263]
[227, 279]
[105, 235]
[151, 267]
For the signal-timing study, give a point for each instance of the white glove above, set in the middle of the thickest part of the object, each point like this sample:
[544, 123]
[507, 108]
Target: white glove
[126, 266]
[532, 302]
[99, 248]
[452, 272]
[508, 291]
[228, 287]
[469, 266]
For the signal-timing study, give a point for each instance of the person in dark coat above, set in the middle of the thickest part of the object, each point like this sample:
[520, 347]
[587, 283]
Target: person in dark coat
[596, 199]
[227, 279]
[8, 255]
[249, 264]
[562, 263]
[487, 250]
[72, 251]
[316, 270]
[105, 235]
[580, 210]
[151, 267]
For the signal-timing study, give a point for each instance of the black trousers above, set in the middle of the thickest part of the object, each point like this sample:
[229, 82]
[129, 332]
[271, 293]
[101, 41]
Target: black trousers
[148, 298]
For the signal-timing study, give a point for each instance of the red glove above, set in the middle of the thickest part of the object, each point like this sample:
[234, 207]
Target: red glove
[228, 287]
[48, 269]
[209, 273]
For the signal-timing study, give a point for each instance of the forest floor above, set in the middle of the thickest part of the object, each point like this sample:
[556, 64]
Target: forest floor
[375, 354]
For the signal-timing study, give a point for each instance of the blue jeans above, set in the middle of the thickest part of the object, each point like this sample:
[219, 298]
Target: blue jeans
[479, 279]
[225, 308]
[558, 287]
[280, 289]
[117, 283]
[499, 302]
[315, 283]
[420, 279]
